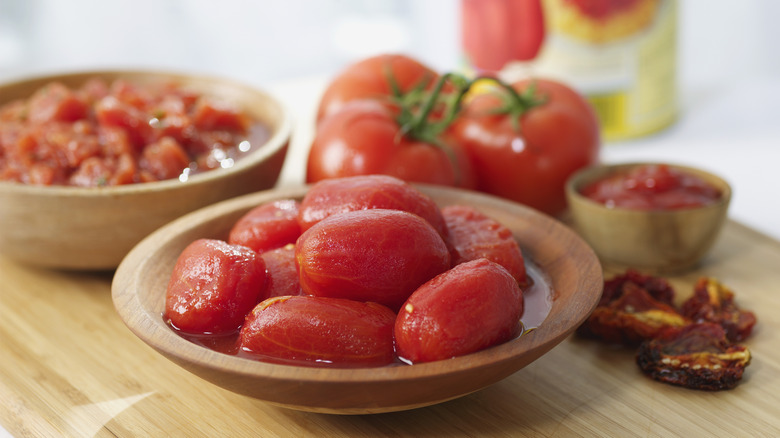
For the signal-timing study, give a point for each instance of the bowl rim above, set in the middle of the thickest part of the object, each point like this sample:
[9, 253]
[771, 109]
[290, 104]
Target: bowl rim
[592, 173]
[146, 325]
[280, 135]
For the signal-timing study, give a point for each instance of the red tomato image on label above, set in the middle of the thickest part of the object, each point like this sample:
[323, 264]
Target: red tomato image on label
[472, 236]
[473, 306]
[213, 286]
[282, 275]
[340, 195]
[370, 255]
[320, 330]
[268, 226]
[496, 32]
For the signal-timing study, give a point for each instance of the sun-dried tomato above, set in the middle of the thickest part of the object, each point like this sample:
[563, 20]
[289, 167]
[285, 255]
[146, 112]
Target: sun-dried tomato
[696, 356]
[632, 317]
[657, 287]
[714, 302]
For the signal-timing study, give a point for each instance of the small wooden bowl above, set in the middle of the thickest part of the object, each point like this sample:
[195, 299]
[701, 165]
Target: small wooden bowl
[94, 228]
[573, 269]
[661, 241]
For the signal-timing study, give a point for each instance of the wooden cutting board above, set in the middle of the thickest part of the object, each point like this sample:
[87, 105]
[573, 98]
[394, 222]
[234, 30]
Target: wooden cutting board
[69, 367]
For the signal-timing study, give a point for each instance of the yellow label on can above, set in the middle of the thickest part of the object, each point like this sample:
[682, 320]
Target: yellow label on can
[621, 55]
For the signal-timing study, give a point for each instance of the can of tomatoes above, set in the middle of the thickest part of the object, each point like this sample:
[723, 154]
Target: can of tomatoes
[620, 54]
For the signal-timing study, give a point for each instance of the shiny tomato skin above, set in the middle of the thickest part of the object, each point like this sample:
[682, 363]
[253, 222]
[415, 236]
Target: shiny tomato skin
[330, 331]
[339, 195]
[363, 138]
[368, 79]
[473, 235]
[281, 272]
[213, 286]
[530, 165]
[268, 226]
[370, 255]
[473, 306]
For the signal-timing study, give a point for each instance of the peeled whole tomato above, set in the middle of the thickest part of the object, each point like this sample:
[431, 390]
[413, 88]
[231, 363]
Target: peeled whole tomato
[473, 306]
[473, 235]
[213, 286]
[268, 226]
[363, 192]
[282, 278]
[374, 255]
[320, 330]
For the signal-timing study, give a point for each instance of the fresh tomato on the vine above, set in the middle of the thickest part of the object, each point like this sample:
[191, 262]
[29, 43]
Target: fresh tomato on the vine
[525, 145]
[375, 78]
[387, 115]
[365, 137]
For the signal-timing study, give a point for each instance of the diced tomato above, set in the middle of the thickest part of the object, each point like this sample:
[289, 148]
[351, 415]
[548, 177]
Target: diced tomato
[56, 103]
[110, 111]
[142, 132]
[211, 115]
[164, 159]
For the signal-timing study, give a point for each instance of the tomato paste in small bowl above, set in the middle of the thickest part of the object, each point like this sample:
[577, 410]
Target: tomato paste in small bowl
[653, 187]
[654, 216]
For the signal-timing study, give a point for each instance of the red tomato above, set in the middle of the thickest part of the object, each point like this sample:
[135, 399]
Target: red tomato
[529, 160]
[364, 138]
[369, 79]
[213, 286]
[282, 274]
[472, 235]
[473, 306]
[370, 255]
[339, 195]
[267, 226]
[320, 330]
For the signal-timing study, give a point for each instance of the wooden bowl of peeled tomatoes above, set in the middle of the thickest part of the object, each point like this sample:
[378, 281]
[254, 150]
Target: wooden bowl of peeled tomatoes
[357, 295]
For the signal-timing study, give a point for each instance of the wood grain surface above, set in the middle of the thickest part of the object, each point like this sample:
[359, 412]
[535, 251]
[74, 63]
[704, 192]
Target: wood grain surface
[69, 367]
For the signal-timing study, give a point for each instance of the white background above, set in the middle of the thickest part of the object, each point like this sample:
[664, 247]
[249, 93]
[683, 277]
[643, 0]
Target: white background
[728, 75]
[729, 65]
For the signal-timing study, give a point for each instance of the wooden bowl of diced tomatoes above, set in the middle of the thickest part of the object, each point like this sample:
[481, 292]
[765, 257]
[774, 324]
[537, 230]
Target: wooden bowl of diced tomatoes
[92, 162]
[358, 295]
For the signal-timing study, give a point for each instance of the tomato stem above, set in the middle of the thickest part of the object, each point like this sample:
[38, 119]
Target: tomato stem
[420, 126]
[416, 117]
[515, 104]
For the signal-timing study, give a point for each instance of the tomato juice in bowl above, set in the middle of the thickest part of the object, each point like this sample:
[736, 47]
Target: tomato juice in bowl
[74, 227]
[655, 216]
